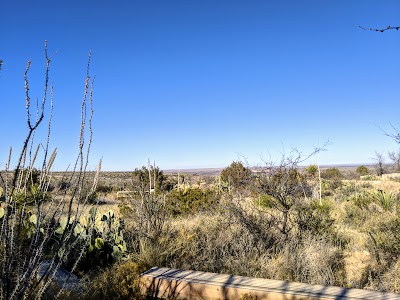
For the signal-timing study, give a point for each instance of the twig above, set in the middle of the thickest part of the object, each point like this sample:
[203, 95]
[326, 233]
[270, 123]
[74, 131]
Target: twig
[377, 29]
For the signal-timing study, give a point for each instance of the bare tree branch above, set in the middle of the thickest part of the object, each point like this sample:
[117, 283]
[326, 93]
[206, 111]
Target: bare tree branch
[378, 29]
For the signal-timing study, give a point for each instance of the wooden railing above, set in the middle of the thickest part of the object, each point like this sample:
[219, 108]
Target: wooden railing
[179, 284]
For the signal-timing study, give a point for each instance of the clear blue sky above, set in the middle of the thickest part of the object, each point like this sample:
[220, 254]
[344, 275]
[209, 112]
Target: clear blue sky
[201, 83]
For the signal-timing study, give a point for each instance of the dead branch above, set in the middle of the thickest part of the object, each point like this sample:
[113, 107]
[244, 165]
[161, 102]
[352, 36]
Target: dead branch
[378, 29]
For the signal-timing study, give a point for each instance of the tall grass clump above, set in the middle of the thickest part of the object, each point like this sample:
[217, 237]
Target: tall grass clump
[32, 245]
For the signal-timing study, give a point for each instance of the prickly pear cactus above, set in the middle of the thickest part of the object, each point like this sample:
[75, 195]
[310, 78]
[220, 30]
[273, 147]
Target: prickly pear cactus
[103, 235]
[105, 238]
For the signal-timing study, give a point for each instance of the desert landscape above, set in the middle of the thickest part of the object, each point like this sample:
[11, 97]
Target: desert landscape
[234, 150]
[333, 226]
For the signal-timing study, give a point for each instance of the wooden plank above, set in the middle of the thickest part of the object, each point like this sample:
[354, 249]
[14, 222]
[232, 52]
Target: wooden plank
[183, 284]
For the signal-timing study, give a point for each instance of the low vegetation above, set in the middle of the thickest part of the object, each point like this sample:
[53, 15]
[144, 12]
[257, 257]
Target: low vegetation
[275, 226]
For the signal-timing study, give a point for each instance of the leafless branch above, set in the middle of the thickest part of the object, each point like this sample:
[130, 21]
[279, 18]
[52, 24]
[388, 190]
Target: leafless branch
[378, 29]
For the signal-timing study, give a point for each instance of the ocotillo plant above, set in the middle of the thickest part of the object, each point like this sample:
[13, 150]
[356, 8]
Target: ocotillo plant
[28, 227]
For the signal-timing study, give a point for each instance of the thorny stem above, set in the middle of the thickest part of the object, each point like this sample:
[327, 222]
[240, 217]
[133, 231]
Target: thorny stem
[17, 272]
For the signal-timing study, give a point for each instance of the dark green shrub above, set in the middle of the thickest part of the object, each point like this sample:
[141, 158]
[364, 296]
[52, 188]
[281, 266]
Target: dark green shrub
[266, 201]
[354, 215]
[327, 189]
[361, 199]
[331, 173]
[141, 180]
[332, 179]
[92, 198]
[190, 201]
[314, 218]
[362, 170]
[33, 175]
[312, 170]
[285, 186]
[89, 197]
[64, 185]
[236, 175]
[105, 189]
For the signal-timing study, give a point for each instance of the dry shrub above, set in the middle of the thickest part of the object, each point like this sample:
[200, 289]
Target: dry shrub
[391, 279]
[312, 260]
[358, 268]
[118, 282]
[384, 232]
[378, 232]
[248, 297]
[148, 230]
[353, 215]
[214, 243]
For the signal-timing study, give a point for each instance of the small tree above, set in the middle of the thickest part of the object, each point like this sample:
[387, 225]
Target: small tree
[362, 170]
[394, 156]
[236, 175]
[312, 170]
[331, 173]
[379, 163]
[285, 185]
[150, 178]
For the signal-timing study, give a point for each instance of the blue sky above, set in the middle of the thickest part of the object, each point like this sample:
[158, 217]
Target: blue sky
[202, 83]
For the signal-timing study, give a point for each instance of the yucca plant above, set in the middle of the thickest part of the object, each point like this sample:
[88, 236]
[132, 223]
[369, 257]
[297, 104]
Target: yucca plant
[385, 199]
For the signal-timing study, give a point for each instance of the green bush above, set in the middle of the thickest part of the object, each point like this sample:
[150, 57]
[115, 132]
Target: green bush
[314, 218]
[236, 175]
[354, 215]
[92, 198]
[266, 201]
[312, 170]
[190, 201]
[105, 189]
[361, 199]
[141, 180]
[64, 185]
[331, 173]
[88, 196]
[362, 170]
